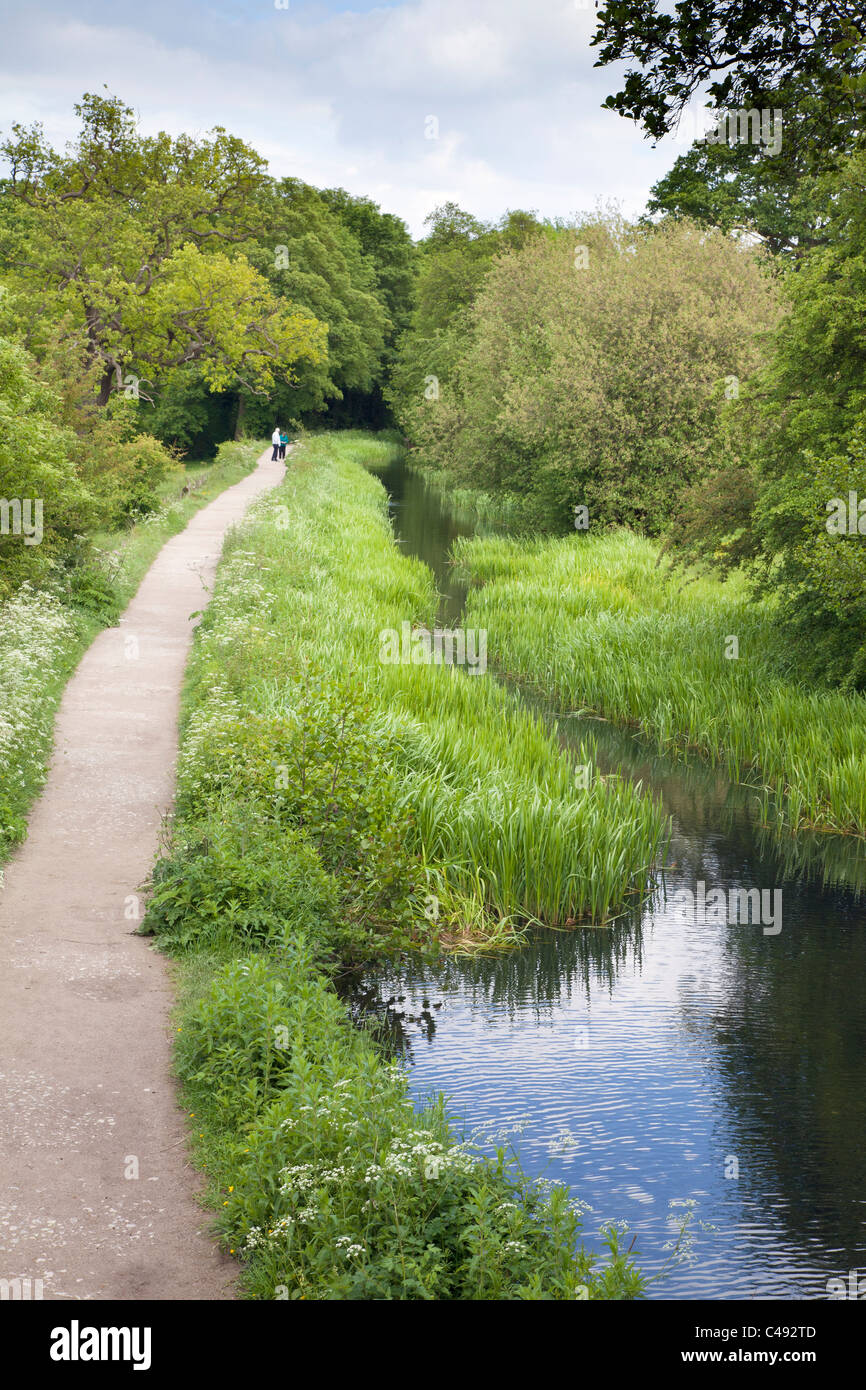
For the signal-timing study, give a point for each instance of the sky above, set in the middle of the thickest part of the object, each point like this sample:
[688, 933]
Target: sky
[493, 104]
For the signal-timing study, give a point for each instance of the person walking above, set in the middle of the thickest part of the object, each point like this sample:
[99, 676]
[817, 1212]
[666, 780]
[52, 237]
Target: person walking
[275, 440]
[284, 439]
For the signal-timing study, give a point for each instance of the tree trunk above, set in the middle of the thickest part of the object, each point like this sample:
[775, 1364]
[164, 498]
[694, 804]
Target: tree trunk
[242, 410]
[105, 385]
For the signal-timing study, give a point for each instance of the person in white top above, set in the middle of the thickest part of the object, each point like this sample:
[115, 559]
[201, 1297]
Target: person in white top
[275, 440]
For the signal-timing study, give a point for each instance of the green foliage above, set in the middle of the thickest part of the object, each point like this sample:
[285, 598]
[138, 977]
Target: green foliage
[794, 442]
[384, 239]
[239, 882]
[756, 56]
[453, 261]
[612, 632]
[91, 591]
[36, 468]
[737, 188]
[120, 242]
[312, 259]
[126, 474]
[740, 51]
[185, 414]
[321, 772]
[591, 370]
[818, 576]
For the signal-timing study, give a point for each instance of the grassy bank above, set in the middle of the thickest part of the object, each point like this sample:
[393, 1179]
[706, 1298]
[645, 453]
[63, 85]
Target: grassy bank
[44, 633]
[413, 778]
[592, 623]
[332, 807]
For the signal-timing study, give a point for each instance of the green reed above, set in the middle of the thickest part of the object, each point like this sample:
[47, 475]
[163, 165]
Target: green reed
[492, 804]
[597, 625]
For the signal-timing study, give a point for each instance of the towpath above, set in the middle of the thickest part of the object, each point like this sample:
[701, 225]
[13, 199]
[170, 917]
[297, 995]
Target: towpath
[97, 1196]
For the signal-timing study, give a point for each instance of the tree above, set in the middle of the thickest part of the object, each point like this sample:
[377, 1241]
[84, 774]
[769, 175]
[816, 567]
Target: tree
[454, 260]
[592, 366]
[744, 51]
[314, 264]
[385, 241]
[125, 240]
[796, 441]
[781, 196]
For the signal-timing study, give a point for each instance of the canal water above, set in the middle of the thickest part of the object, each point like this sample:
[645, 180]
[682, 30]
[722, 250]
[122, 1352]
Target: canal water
[658, 1063]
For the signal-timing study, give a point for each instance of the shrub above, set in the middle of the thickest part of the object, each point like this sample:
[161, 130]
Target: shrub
[238, 882]
[321, 772]
[36, 466]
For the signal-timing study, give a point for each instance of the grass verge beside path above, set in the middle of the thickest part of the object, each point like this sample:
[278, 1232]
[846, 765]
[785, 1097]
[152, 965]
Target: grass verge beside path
[44, 633]
[331, 808]
[593, 624]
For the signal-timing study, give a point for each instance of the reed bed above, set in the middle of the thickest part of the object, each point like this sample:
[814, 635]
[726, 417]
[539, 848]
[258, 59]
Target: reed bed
[595, 624]
[488, 803]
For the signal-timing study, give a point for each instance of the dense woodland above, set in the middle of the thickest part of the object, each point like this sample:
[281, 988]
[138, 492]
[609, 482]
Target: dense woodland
[697, 375]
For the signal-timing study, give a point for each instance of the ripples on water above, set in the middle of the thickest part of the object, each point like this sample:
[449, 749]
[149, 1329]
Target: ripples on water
[639, 1061]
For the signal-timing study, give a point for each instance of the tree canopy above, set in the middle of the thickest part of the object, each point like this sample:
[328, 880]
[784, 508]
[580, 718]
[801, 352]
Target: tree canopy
[743, 52]
[124, 241]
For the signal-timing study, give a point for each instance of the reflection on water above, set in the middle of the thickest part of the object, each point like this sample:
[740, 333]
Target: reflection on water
[660, 1059]
[424, 528]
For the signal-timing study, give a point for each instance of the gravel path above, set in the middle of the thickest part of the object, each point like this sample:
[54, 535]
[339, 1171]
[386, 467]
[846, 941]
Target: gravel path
[97, 1197]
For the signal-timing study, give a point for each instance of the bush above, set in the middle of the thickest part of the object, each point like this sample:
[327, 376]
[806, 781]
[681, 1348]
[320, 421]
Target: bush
[90, 589]
[321, 771]
[241, 883]
[124, 472]
[238, 451]
[36, 468]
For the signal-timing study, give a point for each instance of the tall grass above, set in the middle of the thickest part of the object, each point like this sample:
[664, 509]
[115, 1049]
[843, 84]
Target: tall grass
[473, 504]
[485, 800]
[374, 451]
[596, 625]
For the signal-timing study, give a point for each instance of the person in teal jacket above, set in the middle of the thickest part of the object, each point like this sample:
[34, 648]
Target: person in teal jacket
[284, 439]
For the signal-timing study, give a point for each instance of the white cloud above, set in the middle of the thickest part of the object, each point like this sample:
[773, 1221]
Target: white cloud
[340, 95]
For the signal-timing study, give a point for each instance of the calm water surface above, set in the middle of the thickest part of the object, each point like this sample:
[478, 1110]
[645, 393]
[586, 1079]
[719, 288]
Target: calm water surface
[642, 1063]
